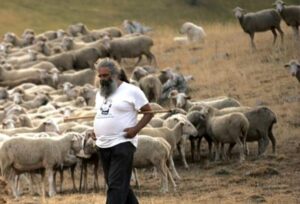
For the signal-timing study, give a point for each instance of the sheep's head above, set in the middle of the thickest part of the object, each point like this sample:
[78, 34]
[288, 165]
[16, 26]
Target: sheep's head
[185, 28]
[10, 38]
[138, 73]
[279, 5]
[29, 39]
[67, 86]
[179, 99]
[89, 146]
[28, 31]
[8, 124]
[17, 98]
[51, 126]
[198, 120]
[61, 33]
[77, 141]
[67, 43]
[238, 12]
[80, 102]
[293, 66]
[33, 55]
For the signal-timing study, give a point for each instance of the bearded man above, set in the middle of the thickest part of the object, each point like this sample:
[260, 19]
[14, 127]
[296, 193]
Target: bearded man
[116, 127]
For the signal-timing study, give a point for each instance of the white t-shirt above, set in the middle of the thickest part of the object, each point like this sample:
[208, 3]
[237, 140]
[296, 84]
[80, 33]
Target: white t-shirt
[117, 112]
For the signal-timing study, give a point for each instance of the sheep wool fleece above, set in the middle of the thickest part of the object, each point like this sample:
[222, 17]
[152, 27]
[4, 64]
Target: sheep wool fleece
[117, 112]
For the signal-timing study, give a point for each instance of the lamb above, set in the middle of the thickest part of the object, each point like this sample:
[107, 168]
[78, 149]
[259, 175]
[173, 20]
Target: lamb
[228, 128]
[170, 123]
[181, 100]
[261, 21]
[152, 87]
[132, 47]
[194, 32]
[172, 136]
[290, 14]
[25, 154]
[294, 68]
[46, 126]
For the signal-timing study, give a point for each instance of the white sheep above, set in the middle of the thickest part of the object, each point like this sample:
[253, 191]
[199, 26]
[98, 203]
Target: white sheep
[25, 154]
[193, 32]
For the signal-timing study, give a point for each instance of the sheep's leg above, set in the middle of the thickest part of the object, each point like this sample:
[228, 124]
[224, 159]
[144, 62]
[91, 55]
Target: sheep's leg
[162, 168]
[81, 175]
[273, 140]
[54, 176]
[264, 142]
[274, 35]
[241, 149]
[223, 153]
[296, 32]
[281, 33]
[43, 174]
[73, 178]
[198, 147]
[252, 41]
[139, 60]
[51, 182]
[231, 145]
[173, 169]
[171, 178]
[151, 58]
[61, 173]
[192, 140]
[209, 141]
[96, 181]
[137, 182]
[85, 186]
[181, 150]
[217, 156]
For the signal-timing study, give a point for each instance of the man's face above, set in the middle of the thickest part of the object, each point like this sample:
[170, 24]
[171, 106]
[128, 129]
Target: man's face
[107, 82]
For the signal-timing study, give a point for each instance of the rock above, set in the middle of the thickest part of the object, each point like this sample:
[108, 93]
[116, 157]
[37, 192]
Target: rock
[263, 171]
[257, 199]
[222, 172]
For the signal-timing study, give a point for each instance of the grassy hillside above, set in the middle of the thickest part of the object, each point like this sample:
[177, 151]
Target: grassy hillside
[43, 15]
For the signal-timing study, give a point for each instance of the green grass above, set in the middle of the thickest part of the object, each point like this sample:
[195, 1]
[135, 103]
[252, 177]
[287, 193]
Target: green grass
[41, 15]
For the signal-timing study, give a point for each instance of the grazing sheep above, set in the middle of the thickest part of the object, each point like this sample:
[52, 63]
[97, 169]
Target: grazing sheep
[294, 68]
[15, 41]
[27, 154]
[261, 21]
[181, 100]
[132, 47]
[194, 33]
[228, 128]
[152, 87]
[290, 14]
[173, 136]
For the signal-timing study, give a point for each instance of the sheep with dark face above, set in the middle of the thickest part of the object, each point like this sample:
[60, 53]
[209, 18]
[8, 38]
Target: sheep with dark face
[294, 68]
[290, 14]
[260, 21]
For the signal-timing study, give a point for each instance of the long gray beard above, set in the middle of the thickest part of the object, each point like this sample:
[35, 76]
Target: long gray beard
[108, 88]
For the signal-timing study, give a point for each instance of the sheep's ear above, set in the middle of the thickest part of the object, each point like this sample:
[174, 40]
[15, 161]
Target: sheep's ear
[287, 65]
[176, 120]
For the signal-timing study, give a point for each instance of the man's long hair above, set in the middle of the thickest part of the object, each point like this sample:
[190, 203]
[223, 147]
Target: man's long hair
[114, 67]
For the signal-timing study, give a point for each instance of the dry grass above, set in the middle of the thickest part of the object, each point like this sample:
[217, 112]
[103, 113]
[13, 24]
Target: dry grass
[225, 65]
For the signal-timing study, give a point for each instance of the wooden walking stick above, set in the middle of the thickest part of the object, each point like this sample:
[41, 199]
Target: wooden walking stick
[88, 117]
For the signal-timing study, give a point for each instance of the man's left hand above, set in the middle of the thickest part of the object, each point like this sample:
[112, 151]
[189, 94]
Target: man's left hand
[131, 132]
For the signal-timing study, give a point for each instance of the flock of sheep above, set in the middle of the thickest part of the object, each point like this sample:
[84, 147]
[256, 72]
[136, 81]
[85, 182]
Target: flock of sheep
[49, 76]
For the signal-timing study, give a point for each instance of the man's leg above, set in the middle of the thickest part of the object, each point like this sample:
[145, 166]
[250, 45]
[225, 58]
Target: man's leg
[119, 191]
[105, 156]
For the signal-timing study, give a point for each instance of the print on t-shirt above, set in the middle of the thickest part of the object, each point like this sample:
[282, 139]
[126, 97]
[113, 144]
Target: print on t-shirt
[105, 107]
